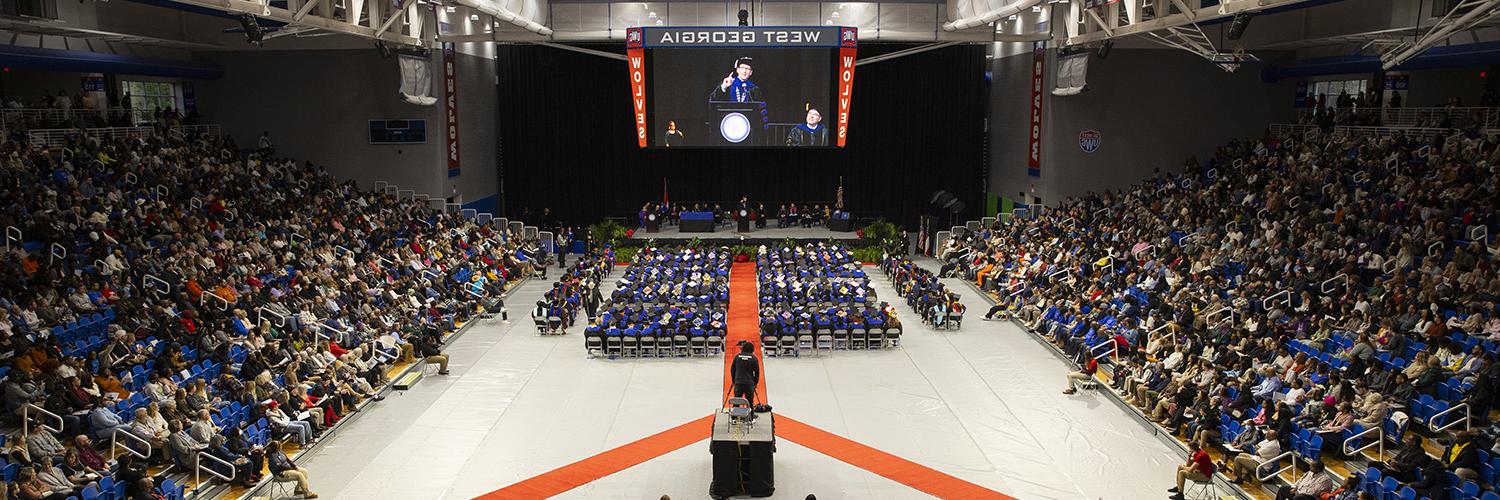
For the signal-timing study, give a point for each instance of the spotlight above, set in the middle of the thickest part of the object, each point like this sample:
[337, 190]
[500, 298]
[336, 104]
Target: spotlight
[1238, 26]
[253, 34]
[744, 17]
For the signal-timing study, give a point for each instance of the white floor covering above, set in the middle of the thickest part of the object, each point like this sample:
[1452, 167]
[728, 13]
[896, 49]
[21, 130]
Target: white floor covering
[982, 403]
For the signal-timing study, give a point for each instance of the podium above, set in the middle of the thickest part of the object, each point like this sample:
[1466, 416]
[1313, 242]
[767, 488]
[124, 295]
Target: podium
[653, 223]
[740, 123]
[841, 225]
[742, 457]
[743, 221]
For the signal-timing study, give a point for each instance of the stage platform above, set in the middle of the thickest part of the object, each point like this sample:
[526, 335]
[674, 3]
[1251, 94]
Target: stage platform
[726, 235]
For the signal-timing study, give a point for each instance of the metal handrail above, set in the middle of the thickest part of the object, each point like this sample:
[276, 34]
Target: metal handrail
[1479, 232]
[260, 315]
[1349, 450]
[1210, 316]
[195, 202]
[1435, 248]
[1388, 266]
[1152, 335]
[57, 251]
[1291, 464]
[1286, 298]
[26, 420]
[1324, 286]
[1110, 343]
[162, 287]
[223, 302]
[1361, 176]
[1149, 248]
[319, 323]
[342, 249]
[1432, 422]
[114, 444]
[198, 468]
[13, 233]
[131, 179]
[383, 354]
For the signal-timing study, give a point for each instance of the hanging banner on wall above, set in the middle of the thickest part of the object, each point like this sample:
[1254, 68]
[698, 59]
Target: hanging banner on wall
[450, 105]
[848, 42]
[636, 56]
[1034, 152]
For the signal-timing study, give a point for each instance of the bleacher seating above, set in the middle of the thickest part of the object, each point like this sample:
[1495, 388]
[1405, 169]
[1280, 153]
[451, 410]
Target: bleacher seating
[1335, 248]
[166, 262]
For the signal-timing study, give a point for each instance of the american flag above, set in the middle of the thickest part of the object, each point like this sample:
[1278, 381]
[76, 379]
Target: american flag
[922, 238]
[838, 198]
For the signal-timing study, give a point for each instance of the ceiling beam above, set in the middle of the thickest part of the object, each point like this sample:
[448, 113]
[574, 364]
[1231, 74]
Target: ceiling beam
[1190, 16]
[278, 14]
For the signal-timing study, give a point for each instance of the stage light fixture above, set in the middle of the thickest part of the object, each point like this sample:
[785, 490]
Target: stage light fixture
[1239, 25]
[744, 17]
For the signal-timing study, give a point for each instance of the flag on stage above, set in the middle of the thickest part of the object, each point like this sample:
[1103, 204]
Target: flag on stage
[838, 198]
[922, 238]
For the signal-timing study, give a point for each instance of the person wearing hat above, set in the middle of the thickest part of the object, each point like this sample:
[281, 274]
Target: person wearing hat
[745, 372]
[737, 87]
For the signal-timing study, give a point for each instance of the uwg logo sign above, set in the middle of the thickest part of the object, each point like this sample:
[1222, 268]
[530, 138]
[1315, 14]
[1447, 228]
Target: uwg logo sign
[846, 91]
[450, 104]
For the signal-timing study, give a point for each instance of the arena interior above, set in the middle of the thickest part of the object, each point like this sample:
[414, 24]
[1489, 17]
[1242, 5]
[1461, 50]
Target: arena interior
[970, 249]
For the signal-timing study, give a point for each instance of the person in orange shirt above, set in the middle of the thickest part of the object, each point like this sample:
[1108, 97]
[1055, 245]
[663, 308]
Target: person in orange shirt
[108, 383]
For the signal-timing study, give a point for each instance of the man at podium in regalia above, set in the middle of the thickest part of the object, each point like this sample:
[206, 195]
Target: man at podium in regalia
[737, 87]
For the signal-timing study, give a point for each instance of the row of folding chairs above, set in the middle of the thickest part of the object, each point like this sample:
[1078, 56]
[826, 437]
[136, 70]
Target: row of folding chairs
[654, 347]
[808, 342]
[550, 325]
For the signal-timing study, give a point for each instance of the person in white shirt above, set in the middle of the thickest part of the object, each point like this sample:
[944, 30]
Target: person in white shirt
[1248, 465]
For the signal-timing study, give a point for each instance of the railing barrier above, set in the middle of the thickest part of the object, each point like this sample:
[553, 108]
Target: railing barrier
[57, 251]
[1432, 422]
[1291, 464]
[199, 468]
[195, 202]
[26, 420]
[1350, 450]
[114, 444]
[260, 316]
[1434, 249]
[1326, 289]
[131, 179]
[1388, 266]
[1285, 295]
[1152, 335]
[1479, 233]
[12, 233]
[1108, 343]
[380, 185]
[158, 285]
[223, 302]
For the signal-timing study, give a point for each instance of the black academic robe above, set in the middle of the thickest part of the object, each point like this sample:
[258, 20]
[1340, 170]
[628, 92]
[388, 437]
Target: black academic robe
[801, 135]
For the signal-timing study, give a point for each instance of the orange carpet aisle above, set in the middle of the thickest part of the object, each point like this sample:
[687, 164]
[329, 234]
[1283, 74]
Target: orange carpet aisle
[884, 464]
[591, 469]
[744, 324]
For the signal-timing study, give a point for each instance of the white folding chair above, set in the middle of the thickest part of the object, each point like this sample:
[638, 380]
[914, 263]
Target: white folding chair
[805, 343]
[614, 346]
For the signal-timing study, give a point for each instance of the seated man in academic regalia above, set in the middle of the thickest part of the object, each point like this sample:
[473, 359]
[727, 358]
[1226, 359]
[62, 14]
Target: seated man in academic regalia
[812, 133]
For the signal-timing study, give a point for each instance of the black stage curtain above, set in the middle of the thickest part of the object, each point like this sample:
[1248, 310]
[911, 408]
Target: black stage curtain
[568, 141]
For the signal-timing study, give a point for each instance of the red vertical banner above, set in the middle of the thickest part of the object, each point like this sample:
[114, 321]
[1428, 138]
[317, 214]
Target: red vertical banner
[1034, 153]
[848, 43]
[450, 104]
[636, 57]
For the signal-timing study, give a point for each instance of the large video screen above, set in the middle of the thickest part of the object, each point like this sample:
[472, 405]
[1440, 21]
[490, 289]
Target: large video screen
[737, 87]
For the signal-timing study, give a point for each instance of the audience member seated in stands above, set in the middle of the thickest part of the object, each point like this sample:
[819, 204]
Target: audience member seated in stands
[283, 469]
[198, 284]
[1322, 270]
